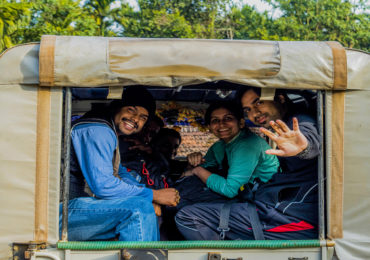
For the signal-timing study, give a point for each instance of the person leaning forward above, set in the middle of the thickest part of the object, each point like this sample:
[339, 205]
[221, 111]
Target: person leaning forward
[105, 201]
[293, 192]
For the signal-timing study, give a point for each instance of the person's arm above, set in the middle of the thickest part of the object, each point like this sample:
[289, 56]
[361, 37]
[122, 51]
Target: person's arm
[210, 159]
[195, 160]
[312, 150]
[94, 145]
[202, 173]
[243, 159]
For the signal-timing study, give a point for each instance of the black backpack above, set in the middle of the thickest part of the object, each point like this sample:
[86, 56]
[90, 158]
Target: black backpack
[151, 170]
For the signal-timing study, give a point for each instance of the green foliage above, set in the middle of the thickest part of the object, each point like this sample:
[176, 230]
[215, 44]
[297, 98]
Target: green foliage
[11, 18]
[161, 24]
[57, 17]
[247, 23]
[102, 12]
[323, 20]
[205, 16]
[180, 19]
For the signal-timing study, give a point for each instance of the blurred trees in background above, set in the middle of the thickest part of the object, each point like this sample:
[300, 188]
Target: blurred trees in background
[323, 20]
[13, 16]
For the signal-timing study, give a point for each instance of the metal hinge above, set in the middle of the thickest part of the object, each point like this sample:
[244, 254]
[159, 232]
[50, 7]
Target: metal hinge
[22, 251]
[144, 254]
[217, 256]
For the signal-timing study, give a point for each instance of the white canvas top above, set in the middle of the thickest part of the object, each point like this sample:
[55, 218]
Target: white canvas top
[99, 61]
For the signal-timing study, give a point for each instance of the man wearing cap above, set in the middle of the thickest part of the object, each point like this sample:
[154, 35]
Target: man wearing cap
[106, 202]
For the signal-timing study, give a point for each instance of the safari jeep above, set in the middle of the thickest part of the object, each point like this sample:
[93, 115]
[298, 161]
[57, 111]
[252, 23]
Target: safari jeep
[37, 81]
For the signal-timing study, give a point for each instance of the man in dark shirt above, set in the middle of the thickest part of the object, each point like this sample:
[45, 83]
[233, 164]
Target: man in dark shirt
[292, 191]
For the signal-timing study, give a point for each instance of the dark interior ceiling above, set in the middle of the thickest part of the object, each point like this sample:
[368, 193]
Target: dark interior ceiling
[206, 93]
[202, 93]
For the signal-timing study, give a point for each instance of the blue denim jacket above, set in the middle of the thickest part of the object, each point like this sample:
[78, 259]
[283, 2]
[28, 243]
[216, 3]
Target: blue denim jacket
[94, 145]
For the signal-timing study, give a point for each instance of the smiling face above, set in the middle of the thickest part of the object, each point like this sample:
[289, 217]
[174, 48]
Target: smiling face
[224, 125]
[260, 112]
[130, 119]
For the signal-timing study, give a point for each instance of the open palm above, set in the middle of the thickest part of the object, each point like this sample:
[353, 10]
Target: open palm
[289, 142]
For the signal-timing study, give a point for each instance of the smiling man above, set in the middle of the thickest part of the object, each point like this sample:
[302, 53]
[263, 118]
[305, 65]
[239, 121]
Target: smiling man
[292, 193]
[130, 119]
[262, 112]
[105, 201]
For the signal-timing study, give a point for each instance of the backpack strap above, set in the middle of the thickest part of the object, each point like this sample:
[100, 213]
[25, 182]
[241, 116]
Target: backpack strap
[255, 221]
[223, 225]
[247, 195]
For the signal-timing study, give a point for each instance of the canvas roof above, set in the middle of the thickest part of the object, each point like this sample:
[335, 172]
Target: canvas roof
[65, 61]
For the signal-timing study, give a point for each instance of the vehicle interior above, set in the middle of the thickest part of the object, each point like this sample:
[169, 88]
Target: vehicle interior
[194, 99]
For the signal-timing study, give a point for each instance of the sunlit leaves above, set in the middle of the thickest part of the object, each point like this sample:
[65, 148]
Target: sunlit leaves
[324, 20]
[312, 20]
[10, 20]
[57, 17]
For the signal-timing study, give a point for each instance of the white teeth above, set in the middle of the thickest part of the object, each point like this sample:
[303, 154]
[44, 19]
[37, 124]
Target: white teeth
[128, 124]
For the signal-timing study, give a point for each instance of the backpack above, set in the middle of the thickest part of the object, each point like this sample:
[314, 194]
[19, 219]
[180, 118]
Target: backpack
[151, 170]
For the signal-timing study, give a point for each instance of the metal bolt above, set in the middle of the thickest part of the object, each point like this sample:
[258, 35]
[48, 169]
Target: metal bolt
[126, 255]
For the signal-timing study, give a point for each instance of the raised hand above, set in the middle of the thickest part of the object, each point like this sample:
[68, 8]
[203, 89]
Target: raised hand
[289, 142]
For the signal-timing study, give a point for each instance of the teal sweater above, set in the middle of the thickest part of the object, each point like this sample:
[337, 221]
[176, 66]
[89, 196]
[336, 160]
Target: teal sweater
[247, 161]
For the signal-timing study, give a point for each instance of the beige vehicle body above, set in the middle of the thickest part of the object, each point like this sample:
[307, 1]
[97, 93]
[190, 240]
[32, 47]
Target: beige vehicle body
[33, 78]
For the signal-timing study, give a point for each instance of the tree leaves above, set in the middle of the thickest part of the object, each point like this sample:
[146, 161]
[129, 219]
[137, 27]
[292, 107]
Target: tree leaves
[311, 20]
[10, 18]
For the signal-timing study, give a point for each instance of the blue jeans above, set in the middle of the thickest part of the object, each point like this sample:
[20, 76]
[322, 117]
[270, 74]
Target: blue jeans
[129, 219]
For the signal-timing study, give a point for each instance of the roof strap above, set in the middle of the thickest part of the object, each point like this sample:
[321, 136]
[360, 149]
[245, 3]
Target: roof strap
[267, 94]
[46, 60]
[42, 164]
[115, 92]
[335, 229]
[339, 65]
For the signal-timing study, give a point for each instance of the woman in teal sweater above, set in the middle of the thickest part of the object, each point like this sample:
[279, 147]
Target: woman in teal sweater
[237, 159]
[239, 156]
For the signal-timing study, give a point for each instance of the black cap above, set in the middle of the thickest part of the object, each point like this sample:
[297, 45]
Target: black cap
[139, 96]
